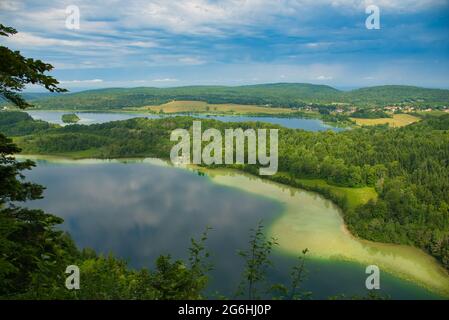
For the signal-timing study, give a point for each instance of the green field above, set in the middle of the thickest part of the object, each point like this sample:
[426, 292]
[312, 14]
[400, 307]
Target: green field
[201, 106]
[355, 196]
[398, 120]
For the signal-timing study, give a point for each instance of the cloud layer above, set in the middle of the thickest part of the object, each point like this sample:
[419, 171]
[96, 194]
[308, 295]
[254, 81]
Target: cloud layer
[235, 41]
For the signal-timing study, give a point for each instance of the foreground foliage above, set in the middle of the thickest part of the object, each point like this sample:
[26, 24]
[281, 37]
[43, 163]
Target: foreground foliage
[16, 71]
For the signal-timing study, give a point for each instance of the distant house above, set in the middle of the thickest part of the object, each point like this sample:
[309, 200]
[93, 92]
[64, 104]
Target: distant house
[391, 108]
[5, 108]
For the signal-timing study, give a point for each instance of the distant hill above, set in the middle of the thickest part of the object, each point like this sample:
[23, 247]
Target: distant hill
[274, 95]
[32, 96]
[38, 95]
[398, 94]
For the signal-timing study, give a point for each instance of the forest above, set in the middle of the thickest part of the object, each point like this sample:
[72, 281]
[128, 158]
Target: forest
[407, 166]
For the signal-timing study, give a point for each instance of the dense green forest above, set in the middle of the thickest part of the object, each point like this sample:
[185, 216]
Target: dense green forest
[395, 94]
[294, 95]
[408, 166]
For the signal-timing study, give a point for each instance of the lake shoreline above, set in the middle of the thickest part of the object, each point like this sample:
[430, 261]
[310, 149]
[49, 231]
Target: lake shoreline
[165, 162]
[294, 115]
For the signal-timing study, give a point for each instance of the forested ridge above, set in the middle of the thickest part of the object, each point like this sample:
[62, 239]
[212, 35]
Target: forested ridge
[293, 95]
[407, 166]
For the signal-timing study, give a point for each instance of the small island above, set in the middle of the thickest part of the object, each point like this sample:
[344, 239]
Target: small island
[70, 118]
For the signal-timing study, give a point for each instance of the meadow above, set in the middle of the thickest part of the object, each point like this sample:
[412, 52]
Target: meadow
[201, 106]
[398, 120]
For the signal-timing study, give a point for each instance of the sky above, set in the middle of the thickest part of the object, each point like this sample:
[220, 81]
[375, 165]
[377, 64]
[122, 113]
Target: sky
[166, 43]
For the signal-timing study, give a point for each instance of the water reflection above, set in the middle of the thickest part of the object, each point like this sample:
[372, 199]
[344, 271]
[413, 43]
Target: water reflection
[140, 210]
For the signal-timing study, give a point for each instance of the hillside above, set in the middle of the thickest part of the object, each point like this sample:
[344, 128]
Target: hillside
[289, 95]
[382, 95]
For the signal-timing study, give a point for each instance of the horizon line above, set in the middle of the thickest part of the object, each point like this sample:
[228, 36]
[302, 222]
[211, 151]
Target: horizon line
[336, 87]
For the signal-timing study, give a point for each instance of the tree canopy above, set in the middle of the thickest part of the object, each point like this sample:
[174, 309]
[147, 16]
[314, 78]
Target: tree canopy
[16, 71]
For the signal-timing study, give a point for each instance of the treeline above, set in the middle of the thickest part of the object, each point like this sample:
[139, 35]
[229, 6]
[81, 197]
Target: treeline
[370, 114]
[398, 94]
[290, 95]
[407, 166]
[20, 123]
[274, 95]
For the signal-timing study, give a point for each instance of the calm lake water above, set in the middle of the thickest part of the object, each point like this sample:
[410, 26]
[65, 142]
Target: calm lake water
[91, 118]
[139, 210]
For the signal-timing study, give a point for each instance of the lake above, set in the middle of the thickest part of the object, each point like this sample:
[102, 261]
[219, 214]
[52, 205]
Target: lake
[139, 209]
[94, 117]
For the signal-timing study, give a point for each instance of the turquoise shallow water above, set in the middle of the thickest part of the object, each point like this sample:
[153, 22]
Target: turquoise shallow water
[141, 210]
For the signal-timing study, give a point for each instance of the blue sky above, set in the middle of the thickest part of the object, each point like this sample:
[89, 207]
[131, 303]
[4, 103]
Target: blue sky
[234, 42]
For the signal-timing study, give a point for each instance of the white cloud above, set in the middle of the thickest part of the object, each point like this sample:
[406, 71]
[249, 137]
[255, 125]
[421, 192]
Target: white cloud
[81, 81]
[185, 16]
[236, 16]
[318, 45]
[10, 5]
[165, 80]
[143, 44]
[322, 78]
[182, 34]
[191, 60]
[26, 39]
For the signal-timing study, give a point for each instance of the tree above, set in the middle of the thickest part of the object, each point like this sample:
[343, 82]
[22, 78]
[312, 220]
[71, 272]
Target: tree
[16, 72]
[33, 252]
[30, 247]
[257, 262]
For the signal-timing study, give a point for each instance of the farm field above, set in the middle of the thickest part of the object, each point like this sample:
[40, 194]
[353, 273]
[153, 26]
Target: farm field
[398, 120]
[201, 106]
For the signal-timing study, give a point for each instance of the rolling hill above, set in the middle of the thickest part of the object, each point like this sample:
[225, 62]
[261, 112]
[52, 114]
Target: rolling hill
[290, 95]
